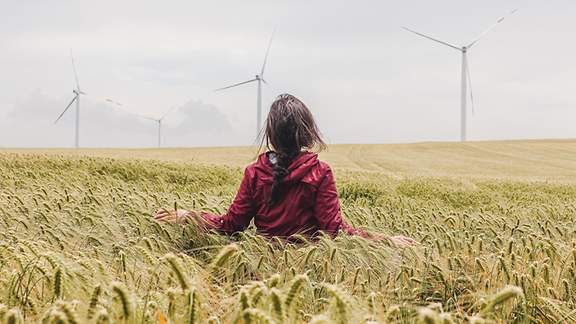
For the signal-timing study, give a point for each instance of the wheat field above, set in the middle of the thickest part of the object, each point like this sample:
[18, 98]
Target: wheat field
[496, 222]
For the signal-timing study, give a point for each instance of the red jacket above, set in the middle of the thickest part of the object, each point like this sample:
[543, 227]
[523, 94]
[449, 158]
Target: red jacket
[309, 201]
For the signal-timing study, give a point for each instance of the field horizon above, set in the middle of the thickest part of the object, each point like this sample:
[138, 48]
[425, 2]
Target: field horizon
[530, 160]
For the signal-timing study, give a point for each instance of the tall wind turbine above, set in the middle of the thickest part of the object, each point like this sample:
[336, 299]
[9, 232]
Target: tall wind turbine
[159, 122]
[259, 78]
[465, 69]
[77, 93]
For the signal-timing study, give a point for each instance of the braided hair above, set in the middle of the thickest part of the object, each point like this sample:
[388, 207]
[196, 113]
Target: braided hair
[290, 127]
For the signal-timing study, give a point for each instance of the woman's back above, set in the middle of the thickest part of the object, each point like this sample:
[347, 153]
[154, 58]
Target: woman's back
[299, 210]
[309, 201]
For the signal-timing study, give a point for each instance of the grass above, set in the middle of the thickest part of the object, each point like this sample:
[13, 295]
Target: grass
[496, 221]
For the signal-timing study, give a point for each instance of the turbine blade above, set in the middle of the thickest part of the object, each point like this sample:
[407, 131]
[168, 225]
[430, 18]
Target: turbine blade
[149, 118]
[235, 85]
[135, 114]
[467, 67]
[75, 72]
[66, 109]
[167, 112]
[118, 105]
[111, 101]
[482, 34]
[267, 52]
[432, 39]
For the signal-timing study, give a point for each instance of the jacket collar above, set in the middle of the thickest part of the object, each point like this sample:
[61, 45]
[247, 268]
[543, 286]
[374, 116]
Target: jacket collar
[298, 168]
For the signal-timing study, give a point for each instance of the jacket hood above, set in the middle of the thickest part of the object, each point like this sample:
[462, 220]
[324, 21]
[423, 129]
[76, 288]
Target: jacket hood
[302, 165]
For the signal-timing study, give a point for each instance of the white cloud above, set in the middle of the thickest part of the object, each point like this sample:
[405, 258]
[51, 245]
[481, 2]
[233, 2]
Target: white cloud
[365, 79]
[31, 124]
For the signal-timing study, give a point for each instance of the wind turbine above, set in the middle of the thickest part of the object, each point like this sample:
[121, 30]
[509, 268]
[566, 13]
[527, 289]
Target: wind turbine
[77, 93]
[258, 78]
[465, 69]
[159, 121]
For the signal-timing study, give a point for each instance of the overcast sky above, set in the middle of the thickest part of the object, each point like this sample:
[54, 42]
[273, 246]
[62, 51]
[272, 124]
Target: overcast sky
[365, 79]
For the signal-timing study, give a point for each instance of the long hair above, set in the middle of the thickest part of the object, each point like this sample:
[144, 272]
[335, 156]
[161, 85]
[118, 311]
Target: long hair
[290, 128]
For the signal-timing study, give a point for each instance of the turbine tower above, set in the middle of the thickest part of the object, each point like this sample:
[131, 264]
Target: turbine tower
[465, 70]
[77, 93]
[159, 122]
[259, 78]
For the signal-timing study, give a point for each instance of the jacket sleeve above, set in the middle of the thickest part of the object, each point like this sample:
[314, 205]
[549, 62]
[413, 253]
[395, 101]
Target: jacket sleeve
[240, 212]
[327, 209]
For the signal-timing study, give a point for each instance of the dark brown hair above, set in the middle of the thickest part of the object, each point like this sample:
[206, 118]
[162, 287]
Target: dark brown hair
[290, 128]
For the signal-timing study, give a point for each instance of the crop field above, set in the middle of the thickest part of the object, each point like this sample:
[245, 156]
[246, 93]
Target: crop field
[496, 222]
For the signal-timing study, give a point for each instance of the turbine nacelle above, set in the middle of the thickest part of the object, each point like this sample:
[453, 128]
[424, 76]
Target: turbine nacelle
[159, 122]
[259, 78]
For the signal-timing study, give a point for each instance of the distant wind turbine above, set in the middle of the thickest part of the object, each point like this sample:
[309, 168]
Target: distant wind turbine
[465, 70]
[77, 93]
[159, 121]
[258, 78]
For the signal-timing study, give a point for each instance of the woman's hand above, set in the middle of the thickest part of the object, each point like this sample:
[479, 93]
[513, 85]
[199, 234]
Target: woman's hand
[403, 241]
[398, 240]
[180, 216]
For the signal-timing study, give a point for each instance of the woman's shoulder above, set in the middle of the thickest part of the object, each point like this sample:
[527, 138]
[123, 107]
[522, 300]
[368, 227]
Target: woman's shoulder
[260, 167]
[306, 167]
[323, 165]
[318, 173]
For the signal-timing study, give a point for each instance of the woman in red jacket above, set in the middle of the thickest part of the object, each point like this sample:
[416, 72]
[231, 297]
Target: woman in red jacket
[287, 190]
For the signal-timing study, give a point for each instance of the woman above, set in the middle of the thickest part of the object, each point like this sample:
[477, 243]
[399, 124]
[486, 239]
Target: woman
[287, 190]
